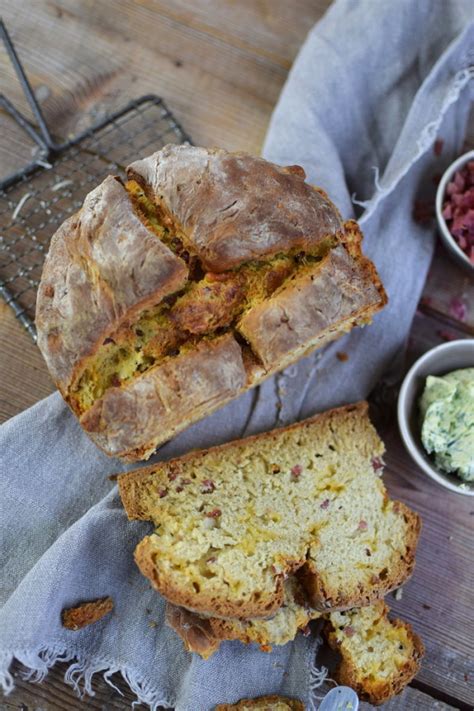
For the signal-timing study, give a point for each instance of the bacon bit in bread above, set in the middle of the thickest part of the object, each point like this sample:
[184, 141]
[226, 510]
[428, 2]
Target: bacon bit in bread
[349, 631]
[325, 504]
[362, 526]
[75, 618]
[215, 513]
[162, 493]
[340, 355]
[296, 471]
[208, 486]
[185, 482]
[115, 380]
[377, 463]
[172, 475]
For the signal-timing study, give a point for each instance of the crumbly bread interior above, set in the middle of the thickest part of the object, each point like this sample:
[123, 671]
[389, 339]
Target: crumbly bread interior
[379, 656]
[233, 521]
[206, 307]
[264, 703]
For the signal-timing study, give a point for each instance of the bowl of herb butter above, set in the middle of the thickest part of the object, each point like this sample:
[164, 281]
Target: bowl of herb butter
[436, 414]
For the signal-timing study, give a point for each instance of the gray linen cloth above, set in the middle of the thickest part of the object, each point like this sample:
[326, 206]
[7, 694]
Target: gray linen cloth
[374, 85]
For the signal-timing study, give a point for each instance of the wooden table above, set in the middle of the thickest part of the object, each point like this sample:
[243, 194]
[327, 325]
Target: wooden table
[220, 65]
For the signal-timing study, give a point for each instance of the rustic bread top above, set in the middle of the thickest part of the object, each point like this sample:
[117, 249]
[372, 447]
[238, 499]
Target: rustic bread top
[234, 207]
[201, 256]
[103, 266]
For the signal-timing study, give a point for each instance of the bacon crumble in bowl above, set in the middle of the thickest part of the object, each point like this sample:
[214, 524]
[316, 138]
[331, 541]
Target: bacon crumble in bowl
[455, 209]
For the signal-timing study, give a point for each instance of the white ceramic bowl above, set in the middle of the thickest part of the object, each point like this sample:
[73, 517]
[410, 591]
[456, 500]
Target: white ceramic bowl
[438, 361]
[448, 240]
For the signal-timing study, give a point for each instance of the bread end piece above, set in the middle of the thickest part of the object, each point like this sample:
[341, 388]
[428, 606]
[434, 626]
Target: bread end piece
[379, 656]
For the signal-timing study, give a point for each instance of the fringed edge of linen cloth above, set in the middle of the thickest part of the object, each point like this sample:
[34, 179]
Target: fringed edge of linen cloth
[427, 137]
[80, 672]
[78, 675]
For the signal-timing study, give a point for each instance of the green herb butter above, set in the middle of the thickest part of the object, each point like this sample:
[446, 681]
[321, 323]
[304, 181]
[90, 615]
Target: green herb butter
[447, 411]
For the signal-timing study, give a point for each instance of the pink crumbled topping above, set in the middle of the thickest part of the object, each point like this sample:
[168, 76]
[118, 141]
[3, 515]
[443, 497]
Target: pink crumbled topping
[458, 309]
[458, 208]
[172, 475]
[208, 486]
[215, 513]
[377, 463]
[325, 504]
[162, 493]
[363, 526]
[296, 471]
[349, 631]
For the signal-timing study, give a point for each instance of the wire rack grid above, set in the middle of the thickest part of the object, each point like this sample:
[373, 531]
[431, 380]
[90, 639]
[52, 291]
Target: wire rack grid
[37, 202]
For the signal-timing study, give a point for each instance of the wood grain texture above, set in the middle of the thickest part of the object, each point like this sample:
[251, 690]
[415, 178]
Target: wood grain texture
[220, 65]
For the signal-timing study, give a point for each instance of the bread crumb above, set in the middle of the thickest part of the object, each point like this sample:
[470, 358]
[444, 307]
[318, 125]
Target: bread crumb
[75, 618]
[340, 355]
[398, 594]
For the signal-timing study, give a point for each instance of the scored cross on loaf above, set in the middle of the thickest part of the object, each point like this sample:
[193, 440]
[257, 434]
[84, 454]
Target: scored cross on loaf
[170, 294]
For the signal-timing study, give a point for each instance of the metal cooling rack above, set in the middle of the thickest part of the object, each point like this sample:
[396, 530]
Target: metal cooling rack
[37, 199]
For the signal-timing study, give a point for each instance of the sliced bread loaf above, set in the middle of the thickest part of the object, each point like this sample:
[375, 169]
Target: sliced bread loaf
[378, 656]
[233, 521]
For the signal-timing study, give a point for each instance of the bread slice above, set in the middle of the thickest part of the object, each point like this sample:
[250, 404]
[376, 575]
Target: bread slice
[379, 657]
[233, 521]
[204, 635]
[264, 703]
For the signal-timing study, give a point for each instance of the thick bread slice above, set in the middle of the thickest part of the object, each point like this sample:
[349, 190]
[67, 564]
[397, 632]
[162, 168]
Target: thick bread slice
[233, 521]
[201, 379]
[379, 656]
[234, 207]
[327, 299]
[203, 635]
[264, 703]
[95, 276]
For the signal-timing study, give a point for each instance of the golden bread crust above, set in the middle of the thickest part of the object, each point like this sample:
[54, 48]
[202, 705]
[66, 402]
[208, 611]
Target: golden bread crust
[370, 687]
[225, 245]
[234, 207]
[95, 276]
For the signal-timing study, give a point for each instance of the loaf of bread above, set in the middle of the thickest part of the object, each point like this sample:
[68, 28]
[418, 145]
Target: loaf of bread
[379, 657]
[264, 703]
[233, 521]
[166, 296]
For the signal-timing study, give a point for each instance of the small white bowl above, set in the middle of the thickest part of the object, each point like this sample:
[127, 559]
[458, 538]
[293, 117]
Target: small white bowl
[448, 239]
[438, 361]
